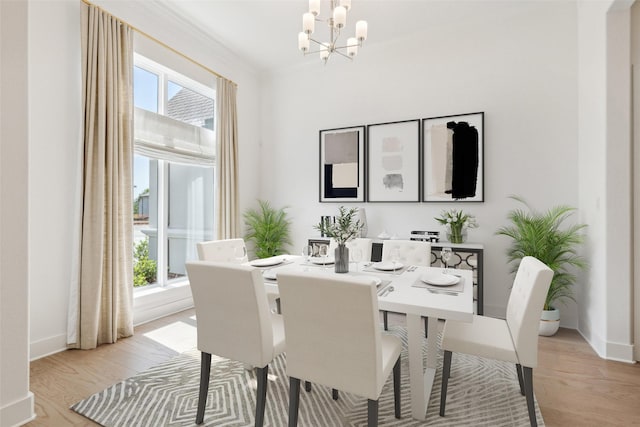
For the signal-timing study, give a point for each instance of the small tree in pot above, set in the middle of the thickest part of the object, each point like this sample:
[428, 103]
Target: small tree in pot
[267, 229]
[540, 234]
[345, 228]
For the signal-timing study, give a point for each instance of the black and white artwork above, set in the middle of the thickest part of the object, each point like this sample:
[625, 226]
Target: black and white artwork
[393, 162]
[453, 158]
[342, 164]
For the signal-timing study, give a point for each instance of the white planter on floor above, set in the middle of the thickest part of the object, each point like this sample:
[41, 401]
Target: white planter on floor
[549, 322]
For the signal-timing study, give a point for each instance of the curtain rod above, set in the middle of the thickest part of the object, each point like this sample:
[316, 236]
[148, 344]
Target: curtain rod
[163, 44]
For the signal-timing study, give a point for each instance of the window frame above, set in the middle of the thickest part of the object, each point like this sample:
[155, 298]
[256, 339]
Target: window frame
[165, 75]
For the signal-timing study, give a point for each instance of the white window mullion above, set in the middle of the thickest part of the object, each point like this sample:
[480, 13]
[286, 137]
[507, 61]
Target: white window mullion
[163, 208]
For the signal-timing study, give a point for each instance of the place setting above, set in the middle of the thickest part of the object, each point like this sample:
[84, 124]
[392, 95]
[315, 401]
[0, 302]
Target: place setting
[440, 283]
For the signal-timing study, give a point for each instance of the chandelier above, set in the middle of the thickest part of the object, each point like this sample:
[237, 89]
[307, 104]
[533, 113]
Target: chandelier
[336, 22]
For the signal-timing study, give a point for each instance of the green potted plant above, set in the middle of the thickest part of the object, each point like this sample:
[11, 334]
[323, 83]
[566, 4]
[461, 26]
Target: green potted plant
[456, 223]
[267, 229]
[542, 235]
[345, 227]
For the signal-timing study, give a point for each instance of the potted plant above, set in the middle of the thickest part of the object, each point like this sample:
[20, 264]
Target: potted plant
[456, 223]
[267, 229]
[345, 227]
[542, 235]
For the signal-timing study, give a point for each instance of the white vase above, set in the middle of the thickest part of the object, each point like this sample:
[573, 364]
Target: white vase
[362, 217]
[549, 322]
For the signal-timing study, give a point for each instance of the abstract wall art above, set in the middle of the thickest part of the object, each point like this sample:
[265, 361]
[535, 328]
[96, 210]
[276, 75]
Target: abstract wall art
[453, 158]
[393, 162]
[342, 164]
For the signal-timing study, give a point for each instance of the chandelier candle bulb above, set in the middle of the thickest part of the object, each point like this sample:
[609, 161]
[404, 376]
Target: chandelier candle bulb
[361, 30]
[308, 23]
[324, 51]
[339, 17]
[352, 46]
[303, 42]
[314, 7]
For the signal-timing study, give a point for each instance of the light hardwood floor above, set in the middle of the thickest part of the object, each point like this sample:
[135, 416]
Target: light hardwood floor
[574, 387]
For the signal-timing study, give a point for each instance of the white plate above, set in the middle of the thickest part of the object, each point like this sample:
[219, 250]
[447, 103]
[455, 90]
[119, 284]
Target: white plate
[387, 266]
[321, 261]
[266, 262]
[439, 279]
[269, 274]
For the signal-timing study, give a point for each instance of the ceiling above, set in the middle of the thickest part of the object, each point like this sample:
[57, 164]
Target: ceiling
[264, 32]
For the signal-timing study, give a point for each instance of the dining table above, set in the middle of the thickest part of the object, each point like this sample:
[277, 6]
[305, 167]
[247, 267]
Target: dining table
[416, 291]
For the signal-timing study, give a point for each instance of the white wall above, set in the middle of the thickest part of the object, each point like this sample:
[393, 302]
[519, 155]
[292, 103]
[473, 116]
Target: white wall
[16, 401]
[605, 175]
[55, 128]
[491, 57]
[55, 125]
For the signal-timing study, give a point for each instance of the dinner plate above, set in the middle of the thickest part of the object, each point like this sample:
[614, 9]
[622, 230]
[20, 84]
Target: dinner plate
[387, 266]
[321, 261]
[266, 262]
[439, 279]
[269, 274]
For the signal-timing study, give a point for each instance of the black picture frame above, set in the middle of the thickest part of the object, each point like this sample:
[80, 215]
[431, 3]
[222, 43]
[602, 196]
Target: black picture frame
[394, 161]
[453, 158]
[342, 164]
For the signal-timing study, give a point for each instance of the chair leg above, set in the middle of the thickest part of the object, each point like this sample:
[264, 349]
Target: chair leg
[385, 319]
[307, 386]
[205, 370]
[426, 327]
[278, 308]
[334, 394]
[446, 370]
[294, 401]
[528, 390]
[396, 388]
[519, 369]
[261, 394]
[372, 413]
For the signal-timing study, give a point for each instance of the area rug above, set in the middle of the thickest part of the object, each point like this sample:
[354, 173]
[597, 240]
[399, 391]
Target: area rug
[481, 393]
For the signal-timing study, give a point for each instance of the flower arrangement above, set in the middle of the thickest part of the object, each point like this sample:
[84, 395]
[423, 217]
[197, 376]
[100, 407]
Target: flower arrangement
[345, 227]
[456, 223]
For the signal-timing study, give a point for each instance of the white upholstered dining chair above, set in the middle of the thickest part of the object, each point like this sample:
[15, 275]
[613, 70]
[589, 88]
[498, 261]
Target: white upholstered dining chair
[227, 250]
[234, 321]
[344, 350]
[410, 252]
[512, 340]
[363, 244]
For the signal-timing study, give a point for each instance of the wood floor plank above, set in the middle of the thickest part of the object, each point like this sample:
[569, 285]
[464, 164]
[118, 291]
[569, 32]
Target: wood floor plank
[573, 386]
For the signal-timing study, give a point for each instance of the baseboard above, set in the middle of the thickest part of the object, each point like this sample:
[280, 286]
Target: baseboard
[47, 346]
[18, 413]
[620, 352]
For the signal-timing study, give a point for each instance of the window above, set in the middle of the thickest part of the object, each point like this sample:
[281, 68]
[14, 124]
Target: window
[173, 172]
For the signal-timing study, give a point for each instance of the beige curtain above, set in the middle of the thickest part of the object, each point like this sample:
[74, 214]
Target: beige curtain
[106, 254]
[227, 211]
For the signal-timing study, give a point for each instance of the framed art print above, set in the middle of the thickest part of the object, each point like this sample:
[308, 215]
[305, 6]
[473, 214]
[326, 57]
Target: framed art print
[452, 150]
[342, 164]
[393, 162]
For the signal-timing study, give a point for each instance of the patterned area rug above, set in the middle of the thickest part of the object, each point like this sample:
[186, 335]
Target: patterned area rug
[481, 393]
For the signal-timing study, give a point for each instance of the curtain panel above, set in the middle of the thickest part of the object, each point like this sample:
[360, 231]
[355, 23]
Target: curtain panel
[227, 211]
[104, 303]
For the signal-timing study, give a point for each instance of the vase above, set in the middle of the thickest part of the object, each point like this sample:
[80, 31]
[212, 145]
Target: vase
[362, 217]
[341, 259]
[457, 235]
[549, 322]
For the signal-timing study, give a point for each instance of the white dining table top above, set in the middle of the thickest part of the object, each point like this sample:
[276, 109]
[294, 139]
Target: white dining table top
[404, 298]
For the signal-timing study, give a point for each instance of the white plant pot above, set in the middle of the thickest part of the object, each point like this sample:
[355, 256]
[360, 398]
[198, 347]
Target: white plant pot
[549, 322]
